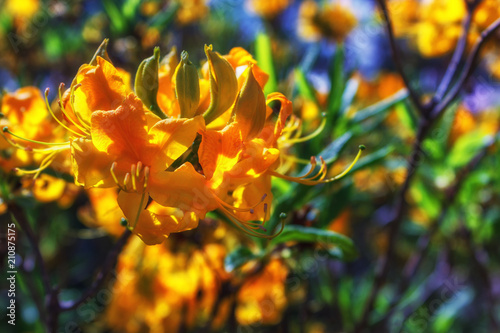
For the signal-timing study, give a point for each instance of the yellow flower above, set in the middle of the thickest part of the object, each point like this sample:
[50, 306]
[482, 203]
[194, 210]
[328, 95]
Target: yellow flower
[332, 21]
[268, 8]
[262, 298]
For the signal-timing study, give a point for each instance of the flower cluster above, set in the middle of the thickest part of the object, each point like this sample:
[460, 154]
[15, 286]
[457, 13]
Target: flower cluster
[178, 146]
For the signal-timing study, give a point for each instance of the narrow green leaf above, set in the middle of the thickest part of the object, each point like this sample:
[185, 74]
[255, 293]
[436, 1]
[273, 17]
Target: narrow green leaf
[264, 55]
[304, 87]
[380, 107]
[313, 235]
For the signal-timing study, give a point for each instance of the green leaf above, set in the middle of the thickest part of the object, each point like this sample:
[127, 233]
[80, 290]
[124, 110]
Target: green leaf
[130, 8]
[405, 116]
[380, 107]
[115, 16]
[238, 258]
[163, 19]
[351, 88]
[303, 234]
[448, 313]
[264, 55]
[306, 90]
[466, 147]
[337, 83]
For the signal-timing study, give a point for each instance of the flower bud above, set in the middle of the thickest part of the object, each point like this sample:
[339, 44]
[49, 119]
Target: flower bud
[146, 82]
[250, 107]
[187, 86]
[223, 85]
[102, 52]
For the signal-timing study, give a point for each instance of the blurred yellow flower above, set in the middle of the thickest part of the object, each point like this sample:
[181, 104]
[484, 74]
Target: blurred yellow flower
[262, 298]
[332, 21]
[268, 8]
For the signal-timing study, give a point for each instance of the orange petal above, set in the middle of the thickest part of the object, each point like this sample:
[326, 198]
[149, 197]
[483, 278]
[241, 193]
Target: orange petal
[183, 188]
[102, 85]
[122, 131]
[219, 150]
[285, 111]
[90, 166]
[172, 137]
[257, 159]
[249, 194]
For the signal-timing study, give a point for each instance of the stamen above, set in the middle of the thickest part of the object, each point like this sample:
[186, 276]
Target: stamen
[6, 130]
[126, 180]
[72, 102]
[250, 227]
[63, 110]
[238, 209]
[139, 169]
[322, 172]
[133, 173]
[314, 134]
[54, 116]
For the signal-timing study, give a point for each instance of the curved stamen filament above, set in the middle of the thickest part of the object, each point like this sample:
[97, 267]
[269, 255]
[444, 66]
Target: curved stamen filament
[44, 165]
[250, 227]
[238, 209]
[6, 130]
[63, 110]
[322, 173]
[72, 103]
[54, 116]
[312, 135]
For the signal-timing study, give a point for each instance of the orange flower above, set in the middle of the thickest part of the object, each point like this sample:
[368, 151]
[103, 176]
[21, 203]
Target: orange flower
[262, 298]
[132, 149]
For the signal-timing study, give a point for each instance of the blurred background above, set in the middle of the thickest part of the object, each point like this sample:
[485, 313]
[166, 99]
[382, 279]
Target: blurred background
[325, 56]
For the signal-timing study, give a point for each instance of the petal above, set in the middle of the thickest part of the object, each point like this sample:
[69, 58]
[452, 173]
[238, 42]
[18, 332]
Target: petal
[171, 138]
[256, 161]
[285, 111]
[249, 194]
[121, 131]
[102, 85]
[157, 222]
[183, 188]
[90, 166]
[219, 150]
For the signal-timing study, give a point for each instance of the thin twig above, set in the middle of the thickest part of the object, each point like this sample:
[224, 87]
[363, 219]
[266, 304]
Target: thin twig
[452, 69]
[106, 268]
[19, 216]
[397, 58]
[451, 192]
[467, 70]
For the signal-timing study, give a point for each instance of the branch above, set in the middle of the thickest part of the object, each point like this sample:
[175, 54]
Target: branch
[108, 265]
[19, 217]
[452, 192]
[452, 69]
[467, 70]
[397, 58]
[384, 262]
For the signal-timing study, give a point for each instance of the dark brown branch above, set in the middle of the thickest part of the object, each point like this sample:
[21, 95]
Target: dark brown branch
[397, 58]
[19, 216]
[467, 70]
[452, 192]
[452, 69]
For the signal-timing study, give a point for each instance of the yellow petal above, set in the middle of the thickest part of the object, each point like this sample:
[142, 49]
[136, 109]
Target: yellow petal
[90, 166]
[183, 188]
[122, 131]
[171, 138]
